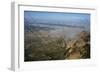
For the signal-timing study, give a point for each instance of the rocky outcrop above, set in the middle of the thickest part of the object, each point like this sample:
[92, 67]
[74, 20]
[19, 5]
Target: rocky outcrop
[80, 47]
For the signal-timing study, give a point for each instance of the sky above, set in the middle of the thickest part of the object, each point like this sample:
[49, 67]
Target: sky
[60, 18]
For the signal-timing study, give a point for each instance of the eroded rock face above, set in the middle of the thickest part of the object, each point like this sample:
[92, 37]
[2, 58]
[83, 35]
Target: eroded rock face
[79, 48]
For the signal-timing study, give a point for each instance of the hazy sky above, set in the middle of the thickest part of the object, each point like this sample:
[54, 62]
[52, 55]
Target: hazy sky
[57, 18]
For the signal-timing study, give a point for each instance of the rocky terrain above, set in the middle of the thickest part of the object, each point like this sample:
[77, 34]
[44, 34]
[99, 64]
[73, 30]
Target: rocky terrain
[41, 46]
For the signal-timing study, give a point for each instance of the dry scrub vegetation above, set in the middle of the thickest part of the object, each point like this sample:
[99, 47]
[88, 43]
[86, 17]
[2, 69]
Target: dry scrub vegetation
[39, 46]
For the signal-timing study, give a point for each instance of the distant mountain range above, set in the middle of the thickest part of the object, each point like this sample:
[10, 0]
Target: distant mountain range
[46, 26]
[31, 28]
